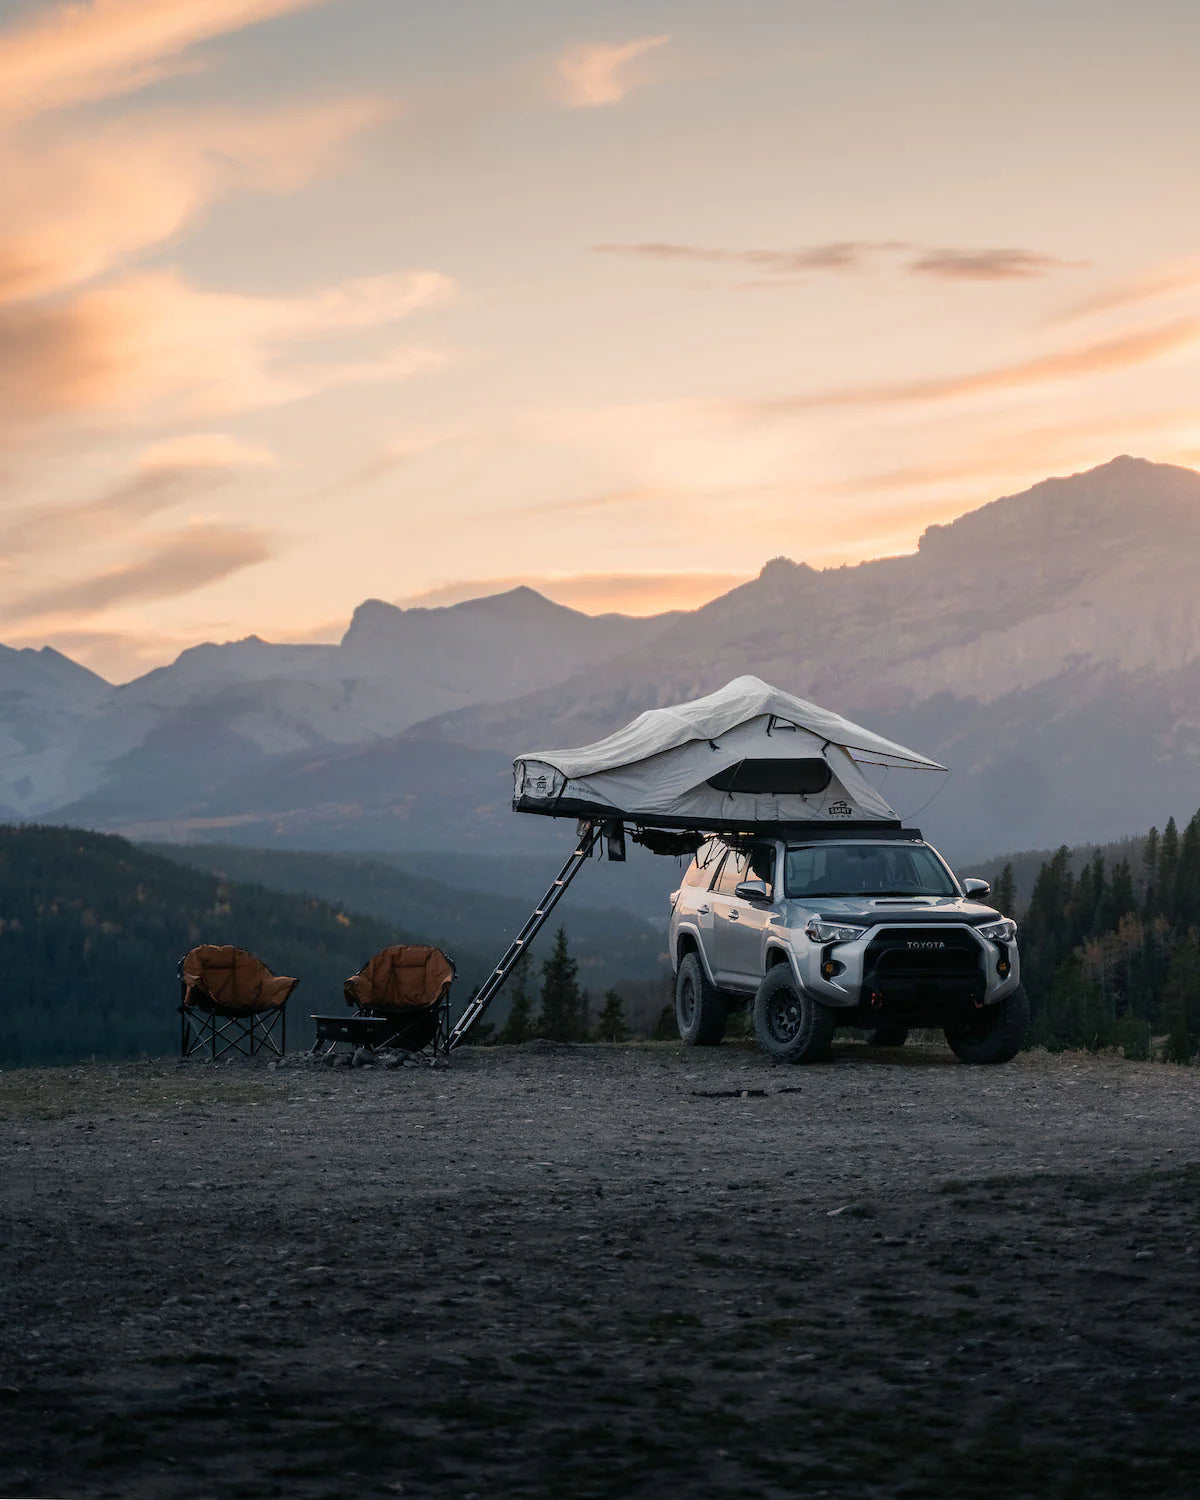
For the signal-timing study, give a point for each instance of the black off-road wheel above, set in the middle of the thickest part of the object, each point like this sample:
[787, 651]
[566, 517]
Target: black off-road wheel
[993, 1034]
[889, 1036]
[790, 1025]
[699, 1008]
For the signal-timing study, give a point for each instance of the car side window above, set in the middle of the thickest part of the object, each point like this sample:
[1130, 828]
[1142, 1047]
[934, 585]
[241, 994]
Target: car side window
[704, 866]
[762, 865]
[733, 872]
[696, 874]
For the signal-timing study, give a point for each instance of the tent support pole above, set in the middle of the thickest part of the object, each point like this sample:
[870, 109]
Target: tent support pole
[589, 837]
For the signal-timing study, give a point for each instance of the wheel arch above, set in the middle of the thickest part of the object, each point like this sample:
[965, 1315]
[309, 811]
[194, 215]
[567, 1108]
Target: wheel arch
[687, 941]
[775, 956]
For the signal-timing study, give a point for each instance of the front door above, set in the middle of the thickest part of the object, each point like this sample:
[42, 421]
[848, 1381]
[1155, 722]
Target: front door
[746, 932]
[738, 925]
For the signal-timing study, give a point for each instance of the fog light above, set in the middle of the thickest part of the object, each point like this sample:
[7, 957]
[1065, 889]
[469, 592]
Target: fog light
[1003, 967]
[831, 967]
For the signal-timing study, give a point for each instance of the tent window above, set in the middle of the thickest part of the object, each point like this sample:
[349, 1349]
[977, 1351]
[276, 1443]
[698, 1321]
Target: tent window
[779, 777]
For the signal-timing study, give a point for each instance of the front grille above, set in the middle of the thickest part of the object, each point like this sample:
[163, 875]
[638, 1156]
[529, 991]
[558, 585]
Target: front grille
[917, 961]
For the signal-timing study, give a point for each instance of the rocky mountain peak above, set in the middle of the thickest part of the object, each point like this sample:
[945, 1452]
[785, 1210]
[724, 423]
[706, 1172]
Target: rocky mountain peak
[1126, 499]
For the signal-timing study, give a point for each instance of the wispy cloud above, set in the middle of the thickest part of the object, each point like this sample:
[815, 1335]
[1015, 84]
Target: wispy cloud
[837, 255]
[178, 563]
[67, 54]
[1122, 351]
[1163, 282]
[989, 265]
[389, 460]
[152, 345]
[597, 74]
[856, 257]
[78, 204]
[174, 472]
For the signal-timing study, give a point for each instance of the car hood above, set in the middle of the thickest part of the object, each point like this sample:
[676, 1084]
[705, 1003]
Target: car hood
[875, 909]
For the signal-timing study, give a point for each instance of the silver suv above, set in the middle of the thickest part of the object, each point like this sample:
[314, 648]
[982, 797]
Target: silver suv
[872, 931]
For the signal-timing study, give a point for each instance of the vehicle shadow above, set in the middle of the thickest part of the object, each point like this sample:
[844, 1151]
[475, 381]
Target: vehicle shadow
[912, 1055]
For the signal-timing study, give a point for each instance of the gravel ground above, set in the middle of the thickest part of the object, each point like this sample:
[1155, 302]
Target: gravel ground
[602, 1271]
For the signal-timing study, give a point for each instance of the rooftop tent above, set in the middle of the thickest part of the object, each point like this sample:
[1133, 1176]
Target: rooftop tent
[745, 754]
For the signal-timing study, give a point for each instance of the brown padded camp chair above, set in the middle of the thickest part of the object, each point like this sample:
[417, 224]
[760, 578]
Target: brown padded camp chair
[406, 988]
[230, 1001]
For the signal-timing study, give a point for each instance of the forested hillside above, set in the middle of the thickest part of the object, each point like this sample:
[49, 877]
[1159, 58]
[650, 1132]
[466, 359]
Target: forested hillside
[610, 944]
[91, 930]
[1110, 952]
[92, 927]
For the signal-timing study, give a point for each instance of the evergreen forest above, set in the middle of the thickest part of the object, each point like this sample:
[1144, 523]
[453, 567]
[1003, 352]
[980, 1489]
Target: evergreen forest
[92, 928]
[1110, 953]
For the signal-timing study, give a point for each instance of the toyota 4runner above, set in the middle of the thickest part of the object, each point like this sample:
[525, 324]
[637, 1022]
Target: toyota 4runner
[872, 931]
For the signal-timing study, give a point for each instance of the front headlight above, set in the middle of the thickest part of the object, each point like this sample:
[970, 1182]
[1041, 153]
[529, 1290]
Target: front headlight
[999, 932]
[821, 931]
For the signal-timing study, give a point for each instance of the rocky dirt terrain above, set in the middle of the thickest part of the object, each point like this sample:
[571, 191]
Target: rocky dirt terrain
[602, 1271]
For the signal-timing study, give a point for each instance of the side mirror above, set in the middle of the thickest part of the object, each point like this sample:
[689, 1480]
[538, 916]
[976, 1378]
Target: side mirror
[975, 887]
[751, 890]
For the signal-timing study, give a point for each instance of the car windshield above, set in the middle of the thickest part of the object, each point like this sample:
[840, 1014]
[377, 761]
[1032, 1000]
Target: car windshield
[866, 870]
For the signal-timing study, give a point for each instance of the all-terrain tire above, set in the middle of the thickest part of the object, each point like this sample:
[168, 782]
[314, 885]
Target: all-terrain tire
[889, 1036]
[790, 1025]
[699, 1008]
[997, 1036]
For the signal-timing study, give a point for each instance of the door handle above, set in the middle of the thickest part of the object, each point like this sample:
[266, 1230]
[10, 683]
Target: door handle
[703, 911]
[733, 916]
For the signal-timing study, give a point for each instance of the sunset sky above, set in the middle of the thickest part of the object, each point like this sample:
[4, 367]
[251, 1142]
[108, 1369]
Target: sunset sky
[309, 301]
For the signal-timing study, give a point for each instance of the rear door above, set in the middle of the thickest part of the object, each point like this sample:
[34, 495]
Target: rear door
[694, 905]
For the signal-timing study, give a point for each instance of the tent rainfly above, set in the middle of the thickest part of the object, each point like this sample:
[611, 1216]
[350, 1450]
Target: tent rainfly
[745, 754]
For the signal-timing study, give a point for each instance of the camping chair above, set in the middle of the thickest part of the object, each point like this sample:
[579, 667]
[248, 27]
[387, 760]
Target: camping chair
[230, 1001]
[401, 1000]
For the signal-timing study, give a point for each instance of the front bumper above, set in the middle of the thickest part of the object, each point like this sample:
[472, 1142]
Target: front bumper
[908, 969]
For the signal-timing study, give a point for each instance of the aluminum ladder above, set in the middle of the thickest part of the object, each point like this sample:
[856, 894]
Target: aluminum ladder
[589, 837]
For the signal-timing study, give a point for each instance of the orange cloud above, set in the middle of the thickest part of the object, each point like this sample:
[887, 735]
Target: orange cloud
[74, 53]
[170, 473]
[152, 345]
[1167, 281]
[179, 563]
[596, 74]
[1122, 351]
[83, 203]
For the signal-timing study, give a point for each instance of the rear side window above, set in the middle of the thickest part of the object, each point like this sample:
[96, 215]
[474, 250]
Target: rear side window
[733, 872]
[708, 856]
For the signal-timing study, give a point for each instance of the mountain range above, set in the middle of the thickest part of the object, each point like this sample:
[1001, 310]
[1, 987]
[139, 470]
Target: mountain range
[1045, 646]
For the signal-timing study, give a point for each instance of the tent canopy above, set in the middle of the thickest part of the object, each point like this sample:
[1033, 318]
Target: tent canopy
[745, 754]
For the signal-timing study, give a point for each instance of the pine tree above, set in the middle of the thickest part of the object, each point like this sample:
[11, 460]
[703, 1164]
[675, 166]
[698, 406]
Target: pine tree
[611, 1026]
[1120, 892]
[519, 1026]
[1046, 926]
[1168, 864]
[1187, 877]
[1004, 892]
[1150, 872]
[562, 1005]
[1181, 999]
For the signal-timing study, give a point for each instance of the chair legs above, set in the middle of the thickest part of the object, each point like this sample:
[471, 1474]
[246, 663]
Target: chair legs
[202, 1030]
